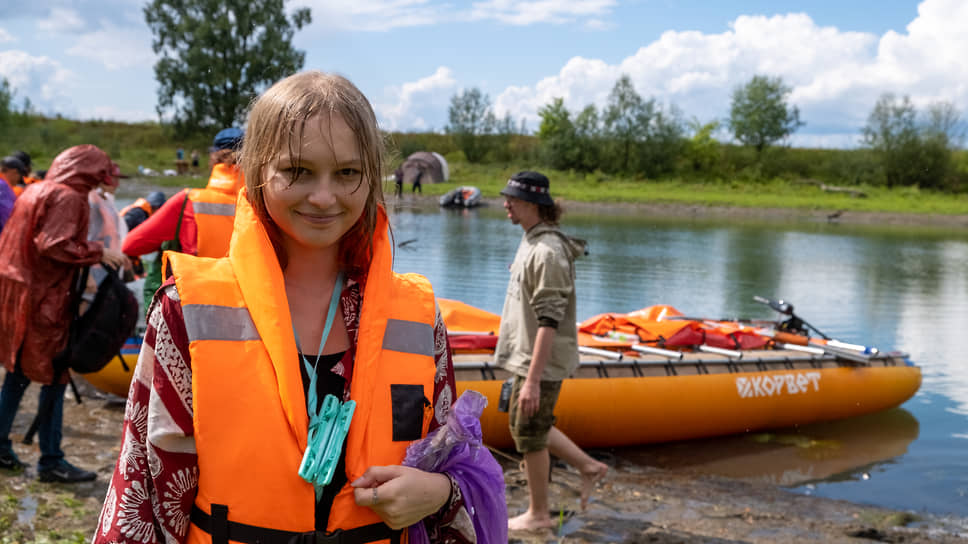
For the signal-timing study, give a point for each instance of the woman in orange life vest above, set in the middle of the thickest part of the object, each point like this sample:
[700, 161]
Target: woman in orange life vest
[219, 412]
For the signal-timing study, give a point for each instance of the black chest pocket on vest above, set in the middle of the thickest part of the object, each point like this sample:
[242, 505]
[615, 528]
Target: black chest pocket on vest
[408, 403]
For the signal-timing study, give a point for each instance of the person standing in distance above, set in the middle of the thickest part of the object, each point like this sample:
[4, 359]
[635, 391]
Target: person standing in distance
[538, 342]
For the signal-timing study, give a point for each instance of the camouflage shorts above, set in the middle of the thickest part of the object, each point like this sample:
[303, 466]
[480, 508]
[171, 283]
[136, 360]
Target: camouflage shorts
[531, 434]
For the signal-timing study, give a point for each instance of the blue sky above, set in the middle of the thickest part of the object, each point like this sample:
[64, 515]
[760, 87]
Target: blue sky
[92, 58]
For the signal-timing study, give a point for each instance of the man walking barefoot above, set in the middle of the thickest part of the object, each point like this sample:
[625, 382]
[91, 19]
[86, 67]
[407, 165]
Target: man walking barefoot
[538, 342]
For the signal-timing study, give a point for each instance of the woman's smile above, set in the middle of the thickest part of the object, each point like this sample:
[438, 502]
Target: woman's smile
[318, 193]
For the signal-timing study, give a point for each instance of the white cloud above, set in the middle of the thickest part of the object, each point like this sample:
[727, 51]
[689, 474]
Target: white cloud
[373, 15]
[411, 102]
[517, 12]
[44, 80]
[5, 36]
[836, 76]
[115, 47]
[61, 20]
[598, 24]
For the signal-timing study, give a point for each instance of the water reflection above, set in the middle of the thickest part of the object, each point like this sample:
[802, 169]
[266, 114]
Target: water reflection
[840, 450]
[892, 287]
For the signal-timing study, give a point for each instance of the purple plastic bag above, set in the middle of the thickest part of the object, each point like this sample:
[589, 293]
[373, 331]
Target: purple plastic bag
[457, 449]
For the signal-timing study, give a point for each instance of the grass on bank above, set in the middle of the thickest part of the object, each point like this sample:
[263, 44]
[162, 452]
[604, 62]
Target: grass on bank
[152, 146]
[598, 187]
[776, 193]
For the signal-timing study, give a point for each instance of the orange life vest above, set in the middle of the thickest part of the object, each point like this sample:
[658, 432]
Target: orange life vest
[249, 404]
[17, 189]
[28, 180]
[140, 203]
[214, 209]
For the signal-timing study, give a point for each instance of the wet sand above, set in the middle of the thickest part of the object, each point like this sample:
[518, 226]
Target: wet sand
[635, 503]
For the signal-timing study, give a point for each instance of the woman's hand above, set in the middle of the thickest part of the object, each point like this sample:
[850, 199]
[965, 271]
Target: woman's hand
[400, 495]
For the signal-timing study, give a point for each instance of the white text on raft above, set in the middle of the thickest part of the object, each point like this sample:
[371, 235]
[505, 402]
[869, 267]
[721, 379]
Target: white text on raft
[777, 384]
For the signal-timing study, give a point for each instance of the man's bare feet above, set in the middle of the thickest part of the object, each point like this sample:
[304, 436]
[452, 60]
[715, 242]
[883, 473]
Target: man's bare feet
[590, 475]
[528, 522]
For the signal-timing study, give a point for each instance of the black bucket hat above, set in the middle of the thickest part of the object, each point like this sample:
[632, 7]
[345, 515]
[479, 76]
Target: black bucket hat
[531, 187]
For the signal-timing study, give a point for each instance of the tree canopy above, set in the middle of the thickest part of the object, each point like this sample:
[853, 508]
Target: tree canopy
[470, 118]
[217, 55]
[911, 150]
[6, 100]
[759, 115]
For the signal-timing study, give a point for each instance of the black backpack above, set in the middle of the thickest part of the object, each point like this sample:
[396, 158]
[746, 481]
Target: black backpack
[95, 337]
[98, 334]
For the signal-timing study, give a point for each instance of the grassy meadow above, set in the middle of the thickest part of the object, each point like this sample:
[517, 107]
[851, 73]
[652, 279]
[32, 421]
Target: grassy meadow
[782, 178]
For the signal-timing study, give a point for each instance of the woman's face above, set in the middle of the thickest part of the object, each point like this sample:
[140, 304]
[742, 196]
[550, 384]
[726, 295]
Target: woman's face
[328, 196]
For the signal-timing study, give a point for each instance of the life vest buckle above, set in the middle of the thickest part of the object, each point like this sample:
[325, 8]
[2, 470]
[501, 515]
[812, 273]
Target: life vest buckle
[318, 537]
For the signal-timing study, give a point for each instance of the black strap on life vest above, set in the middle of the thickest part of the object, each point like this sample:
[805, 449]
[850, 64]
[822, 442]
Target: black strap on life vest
[222, 530]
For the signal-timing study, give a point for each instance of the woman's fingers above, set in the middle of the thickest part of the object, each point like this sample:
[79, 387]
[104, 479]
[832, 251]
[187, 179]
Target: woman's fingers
[401, 496]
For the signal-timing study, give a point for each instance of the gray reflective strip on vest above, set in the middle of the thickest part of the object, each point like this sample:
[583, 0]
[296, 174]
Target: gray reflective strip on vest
[209, 322]
[409, 337]
[212, 208]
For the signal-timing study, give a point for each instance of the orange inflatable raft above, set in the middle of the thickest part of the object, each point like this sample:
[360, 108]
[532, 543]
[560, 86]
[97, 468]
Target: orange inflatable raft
[706, 379]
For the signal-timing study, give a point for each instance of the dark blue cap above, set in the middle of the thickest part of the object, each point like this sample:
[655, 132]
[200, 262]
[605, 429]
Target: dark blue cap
[156, 199]
[227, 138]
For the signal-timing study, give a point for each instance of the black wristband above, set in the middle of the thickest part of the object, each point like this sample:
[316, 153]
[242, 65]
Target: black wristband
[547, 322]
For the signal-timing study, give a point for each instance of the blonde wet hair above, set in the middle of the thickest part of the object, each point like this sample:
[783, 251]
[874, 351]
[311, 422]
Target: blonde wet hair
[277, 121]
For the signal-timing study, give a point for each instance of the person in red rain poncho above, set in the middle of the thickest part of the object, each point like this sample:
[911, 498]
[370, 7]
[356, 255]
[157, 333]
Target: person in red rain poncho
[43, 244]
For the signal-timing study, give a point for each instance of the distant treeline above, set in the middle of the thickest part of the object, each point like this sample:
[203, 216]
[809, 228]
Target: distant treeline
[645, 140]
[706, 161]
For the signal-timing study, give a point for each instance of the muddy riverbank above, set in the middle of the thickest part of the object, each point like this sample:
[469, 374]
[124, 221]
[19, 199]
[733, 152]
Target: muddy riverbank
[701, 211]
[137, 187]
[633, 504]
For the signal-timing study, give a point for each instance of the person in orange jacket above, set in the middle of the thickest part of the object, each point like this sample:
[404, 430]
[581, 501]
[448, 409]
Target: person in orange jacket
[25, 158]
[194, 221]
[12, 171]
[305, 310]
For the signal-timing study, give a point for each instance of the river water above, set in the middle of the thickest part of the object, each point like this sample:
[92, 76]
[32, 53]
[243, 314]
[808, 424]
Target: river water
[902, 288]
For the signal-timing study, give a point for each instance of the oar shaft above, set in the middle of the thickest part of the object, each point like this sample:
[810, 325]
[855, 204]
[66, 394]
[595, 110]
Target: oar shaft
[600, 352]
[854, 347]
[677, 355]
[850, 355]
[720, 351]
[803, 349]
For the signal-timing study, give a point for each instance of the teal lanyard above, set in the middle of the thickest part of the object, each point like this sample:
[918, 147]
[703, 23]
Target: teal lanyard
[328, 424]
[311, 369]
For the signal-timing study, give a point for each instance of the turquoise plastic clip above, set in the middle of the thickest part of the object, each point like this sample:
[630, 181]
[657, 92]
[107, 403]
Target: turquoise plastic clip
[320, 427]
[334, 446]
[327, 432]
